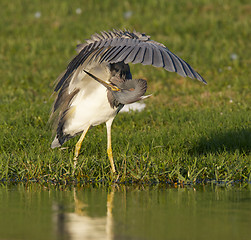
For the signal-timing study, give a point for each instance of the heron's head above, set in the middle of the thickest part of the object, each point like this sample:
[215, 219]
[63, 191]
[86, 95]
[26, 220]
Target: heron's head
[125, 91]
[129, 91]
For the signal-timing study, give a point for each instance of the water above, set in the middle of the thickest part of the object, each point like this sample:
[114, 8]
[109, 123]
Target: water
[47, 212]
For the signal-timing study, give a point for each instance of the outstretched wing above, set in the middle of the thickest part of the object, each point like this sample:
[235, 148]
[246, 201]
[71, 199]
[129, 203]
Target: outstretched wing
[128, 47]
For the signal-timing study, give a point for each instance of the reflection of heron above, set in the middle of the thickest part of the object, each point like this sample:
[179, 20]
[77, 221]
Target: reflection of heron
[79, 225]
[82, 102]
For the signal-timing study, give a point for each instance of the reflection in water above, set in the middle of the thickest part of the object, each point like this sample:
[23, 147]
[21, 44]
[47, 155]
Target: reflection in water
[79, 225]
[152, 212]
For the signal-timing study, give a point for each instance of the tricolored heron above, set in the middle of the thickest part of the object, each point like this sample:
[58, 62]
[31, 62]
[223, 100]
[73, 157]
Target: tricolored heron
[98, 83]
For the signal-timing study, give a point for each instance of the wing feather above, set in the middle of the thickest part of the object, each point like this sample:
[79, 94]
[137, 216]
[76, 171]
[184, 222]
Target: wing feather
[168, 62]
[122, 54]
[157, 58]
[128, 47]
[113, 55]
[178, 64]
[140, 55]
[132, 55]
[148, 57]
[107, 54]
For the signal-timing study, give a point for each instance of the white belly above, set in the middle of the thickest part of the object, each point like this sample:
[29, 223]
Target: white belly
[89, 107]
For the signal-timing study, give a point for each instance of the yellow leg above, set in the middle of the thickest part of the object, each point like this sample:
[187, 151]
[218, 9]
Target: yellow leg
[109, 143]
[78, 145]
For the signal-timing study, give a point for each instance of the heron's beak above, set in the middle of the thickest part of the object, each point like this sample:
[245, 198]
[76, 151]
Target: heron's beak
[107, 85]
[147, 96]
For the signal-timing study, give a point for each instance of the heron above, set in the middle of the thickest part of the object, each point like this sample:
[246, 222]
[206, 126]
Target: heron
[97, 83]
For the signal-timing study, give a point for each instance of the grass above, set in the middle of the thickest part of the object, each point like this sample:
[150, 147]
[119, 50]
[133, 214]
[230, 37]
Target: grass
[188, 131]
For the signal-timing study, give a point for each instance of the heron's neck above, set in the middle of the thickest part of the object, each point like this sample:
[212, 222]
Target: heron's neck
[113, 102]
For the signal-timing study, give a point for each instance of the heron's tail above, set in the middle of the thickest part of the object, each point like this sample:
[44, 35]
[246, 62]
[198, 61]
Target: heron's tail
[55, 143]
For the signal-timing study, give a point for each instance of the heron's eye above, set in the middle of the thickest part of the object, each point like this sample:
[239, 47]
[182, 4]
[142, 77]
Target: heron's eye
[131, 89]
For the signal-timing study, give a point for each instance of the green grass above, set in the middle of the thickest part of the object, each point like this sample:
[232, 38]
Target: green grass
[188, 131]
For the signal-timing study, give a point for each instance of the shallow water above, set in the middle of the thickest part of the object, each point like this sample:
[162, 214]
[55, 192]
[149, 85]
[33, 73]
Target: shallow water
[119, 212]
